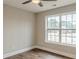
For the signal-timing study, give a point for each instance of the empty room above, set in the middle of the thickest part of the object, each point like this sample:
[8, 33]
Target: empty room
[39, 29]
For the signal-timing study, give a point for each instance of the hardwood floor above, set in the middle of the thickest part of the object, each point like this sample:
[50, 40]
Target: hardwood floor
[37, 54]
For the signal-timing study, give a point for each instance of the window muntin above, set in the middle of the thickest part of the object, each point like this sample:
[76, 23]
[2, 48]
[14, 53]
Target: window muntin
[53, 35]
[68, 36]
[68, 21]
[62, 29]
[53, 22]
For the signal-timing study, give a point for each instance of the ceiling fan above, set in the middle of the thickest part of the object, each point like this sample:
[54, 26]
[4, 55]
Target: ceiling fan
[37, 2]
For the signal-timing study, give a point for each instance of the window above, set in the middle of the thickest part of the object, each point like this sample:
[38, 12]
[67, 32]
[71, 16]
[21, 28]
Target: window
[61, 29]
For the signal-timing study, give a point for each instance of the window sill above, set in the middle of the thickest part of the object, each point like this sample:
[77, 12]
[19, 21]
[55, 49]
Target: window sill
[70, 45]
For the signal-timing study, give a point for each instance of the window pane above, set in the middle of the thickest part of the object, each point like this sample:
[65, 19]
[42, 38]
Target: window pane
[63, 39]
[69, 40]
[63, 21]
[68, 21]
[74, 21]
[74, 41]
[74, 17]
[56, 39]
[53, 35]
[69, 17]
[53, 22]
[74, 37]
[68, 36]
[63, 36]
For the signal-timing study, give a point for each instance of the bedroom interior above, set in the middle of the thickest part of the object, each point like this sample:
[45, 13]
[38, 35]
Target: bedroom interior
[39, 29]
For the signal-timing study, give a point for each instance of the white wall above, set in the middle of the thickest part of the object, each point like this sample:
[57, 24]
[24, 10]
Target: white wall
[19, 27]
[40, 38]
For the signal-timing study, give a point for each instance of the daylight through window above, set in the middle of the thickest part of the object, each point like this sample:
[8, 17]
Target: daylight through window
[61, 29]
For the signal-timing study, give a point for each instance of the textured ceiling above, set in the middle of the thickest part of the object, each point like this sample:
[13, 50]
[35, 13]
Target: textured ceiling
[35, 8]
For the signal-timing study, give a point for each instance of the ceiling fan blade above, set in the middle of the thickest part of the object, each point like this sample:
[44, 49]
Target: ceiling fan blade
[26, 2]
[40, 4]
[49, 0]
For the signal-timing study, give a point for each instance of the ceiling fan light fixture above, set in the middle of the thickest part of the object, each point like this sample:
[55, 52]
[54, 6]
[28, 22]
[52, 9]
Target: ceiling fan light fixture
[36, 1]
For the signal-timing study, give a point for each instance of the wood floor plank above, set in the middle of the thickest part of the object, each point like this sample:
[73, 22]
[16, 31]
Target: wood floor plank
[37, 54]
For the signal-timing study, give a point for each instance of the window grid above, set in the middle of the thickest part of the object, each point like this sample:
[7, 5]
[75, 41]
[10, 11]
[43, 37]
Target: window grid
[60, 29]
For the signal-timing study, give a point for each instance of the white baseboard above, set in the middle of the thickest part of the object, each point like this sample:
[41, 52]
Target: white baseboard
[40, 47]
[17, 52]
[57, 52]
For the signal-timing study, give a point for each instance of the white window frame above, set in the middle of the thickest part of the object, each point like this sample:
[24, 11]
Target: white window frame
[52, 42]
